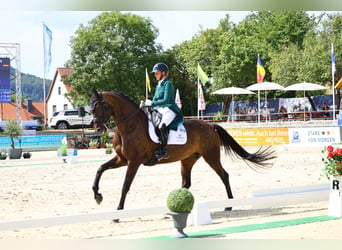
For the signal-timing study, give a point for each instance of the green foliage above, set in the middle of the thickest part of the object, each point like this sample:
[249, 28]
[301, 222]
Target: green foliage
[112, 52]
[104, 138]
[12, 129]
[63, 149]
[93, 142]
[180, 200]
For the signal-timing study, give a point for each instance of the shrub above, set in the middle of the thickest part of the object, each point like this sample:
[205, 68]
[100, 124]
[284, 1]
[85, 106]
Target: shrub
[180, 200]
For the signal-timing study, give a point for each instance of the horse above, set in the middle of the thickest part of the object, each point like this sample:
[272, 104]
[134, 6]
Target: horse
[133, 146]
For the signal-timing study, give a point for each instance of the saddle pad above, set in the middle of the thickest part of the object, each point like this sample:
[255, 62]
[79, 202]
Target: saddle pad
[178, 137]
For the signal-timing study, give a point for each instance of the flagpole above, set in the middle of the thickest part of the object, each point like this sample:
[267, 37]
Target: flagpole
[44, 81]
[146, 84]
[333, 68]
[198, 86]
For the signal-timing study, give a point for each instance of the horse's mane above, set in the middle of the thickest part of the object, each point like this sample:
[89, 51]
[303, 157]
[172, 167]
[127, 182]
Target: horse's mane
[99, 98]
[124, 96]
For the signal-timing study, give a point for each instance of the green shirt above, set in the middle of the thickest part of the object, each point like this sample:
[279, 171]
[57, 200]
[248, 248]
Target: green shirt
[164, 96]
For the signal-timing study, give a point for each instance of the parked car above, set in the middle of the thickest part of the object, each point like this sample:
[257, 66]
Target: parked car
[65, 119]
[27, 125]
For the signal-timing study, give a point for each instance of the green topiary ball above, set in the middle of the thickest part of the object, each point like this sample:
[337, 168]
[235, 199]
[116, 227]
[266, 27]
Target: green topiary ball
[180, 200]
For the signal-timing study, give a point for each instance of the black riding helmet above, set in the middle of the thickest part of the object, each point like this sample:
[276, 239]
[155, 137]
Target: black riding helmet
[160, 67]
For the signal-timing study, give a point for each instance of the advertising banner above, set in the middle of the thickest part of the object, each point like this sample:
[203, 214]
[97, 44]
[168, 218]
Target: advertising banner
[318, 136]
[260, 136]
[5, 80]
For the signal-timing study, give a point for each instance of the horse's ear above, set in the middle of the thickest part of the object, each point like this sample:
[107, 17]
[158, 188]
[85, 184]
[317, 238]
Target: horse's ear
[96, 93]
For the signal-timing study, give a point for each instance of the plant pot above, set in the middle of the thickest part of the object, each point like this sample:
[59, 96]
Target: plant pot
[339, 168]
[179, 222]
[14, 153]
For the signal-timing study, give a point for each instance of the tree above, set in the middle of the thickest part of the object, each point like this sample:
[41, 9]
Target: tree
[112, 52]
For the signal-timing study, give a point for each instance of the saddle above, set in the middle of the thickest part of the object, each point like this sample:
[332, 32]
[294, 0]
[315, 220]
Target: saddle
[176, 137]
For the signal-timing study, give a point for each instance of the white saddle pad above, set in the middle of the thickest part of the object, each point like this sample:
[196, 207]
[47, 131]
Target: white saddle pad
[178, 137]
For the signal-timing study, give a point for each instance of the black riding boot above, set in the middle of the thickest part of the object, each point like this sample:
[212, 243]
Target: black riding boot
[163, 135]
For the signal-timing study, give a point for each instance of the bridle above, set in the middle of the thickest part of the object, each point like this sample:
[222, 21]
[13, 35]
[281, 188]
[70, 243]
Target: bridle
[105, 110]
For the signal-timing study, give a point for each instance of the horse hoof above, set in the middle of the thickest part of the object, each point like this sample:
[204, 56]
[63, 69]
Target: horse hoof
[228, 209]
[98, 198]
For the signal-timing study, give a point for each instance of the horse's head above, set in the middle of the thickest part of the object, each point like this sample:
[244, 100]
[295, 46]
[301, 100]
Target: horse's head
[100, 110]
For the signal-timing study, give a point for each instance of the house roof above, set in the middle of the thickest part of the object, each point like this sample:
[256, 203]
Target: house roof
[8, 111]
[63, 72]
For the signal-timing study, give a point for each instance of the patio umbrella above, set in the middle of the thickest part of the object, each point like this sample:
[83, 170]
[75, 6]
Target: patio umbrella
[264, 86]
[232, 91]
[304, 86]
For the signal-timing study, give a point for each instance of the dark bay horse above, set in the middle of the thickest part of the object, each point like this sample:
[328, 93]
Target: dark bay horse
[134, 147]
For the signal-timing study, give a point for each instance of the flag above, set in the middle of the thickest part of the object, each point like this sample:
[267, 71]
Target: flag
[202, 76]
[333, 61]
[201, 101]
[178, 100]
[260, 71]
[148, 82]
[47, 40]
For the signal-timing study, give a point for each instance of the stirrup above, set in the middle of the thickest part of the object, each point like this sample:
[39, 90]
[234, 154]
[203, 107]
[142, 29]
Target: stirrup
[162, 154]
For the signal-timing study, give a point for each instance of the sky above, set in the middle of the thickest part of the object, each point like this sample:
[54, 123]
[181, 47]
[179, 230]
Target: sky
[26, 28]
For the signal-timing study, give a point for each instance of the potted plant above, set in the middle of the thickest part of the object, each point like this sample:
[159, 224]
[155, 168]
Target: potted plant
[3, 155]
[93, 143]
[63, 151]
[109, 148]
[13, 129]
[180, 202]
[104, 139]
[27, 155]
[332, 161]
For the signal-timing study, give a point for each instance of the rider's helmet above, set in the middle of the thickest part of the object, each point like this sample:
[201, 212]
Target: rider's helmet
[160, 67]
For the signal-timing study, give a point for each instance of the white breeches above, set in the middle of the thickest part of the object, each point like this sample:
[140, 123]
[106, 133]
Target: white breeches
[167, 116]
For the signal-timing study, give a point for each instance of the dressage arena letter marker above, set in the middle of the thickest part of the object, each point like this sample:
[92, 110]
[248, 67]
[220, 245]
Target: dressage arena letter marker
[335, 199]
[335, 185]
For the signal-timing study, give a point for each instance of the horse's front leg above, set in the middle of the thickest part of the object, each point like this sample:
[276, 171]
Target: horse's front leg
[113, 163]
[131, 171]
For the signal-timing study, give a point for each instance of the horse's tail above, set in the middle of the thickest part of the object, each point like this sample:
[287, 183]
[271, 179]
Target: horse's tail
[260, 159]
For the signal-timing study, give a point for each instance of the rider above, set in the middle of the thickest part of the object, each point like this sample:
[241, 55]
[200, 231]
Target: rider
[164, 101]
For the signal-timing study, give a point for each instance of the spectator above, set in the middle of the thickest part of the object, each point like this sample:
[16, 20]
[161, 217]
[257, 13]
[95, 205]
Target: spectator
[265, 113]
[282, 112]
[326, 108]
[250, 114]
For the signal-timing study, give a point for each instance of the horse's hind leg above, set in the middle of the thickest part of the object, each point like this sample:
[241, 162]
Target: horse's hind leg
[187, 165]
[214, 162]
[113, 163]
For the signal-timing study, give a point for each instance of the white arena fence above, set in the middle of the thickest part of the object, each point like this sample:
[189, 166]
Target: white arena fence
[200, 214]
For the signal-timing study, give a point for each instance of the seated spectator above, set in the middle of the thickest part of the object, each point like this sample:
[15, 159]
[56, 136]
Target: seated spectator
[325, 108]
[265, 113]
[250, 114]
[282, 112]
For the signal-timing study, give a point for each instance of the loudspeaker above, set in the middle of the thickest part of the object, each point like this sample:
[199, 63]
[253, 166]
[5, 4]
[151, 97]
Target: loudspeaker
[81, 112]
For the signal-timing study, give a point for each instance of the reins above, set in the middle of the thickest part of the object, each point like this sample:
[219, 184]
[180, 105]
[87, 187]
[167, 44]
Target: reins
[121, 119]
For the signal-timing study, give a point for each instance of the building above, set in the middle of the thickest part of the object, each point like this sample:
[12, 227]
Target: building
[30, 111]
[56, 98]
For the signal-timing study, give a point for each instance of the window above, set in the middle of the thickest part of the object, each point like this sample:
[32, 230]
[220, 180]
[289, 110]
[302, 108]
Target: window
[65, 106]
[59, 90]
[54, 108]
